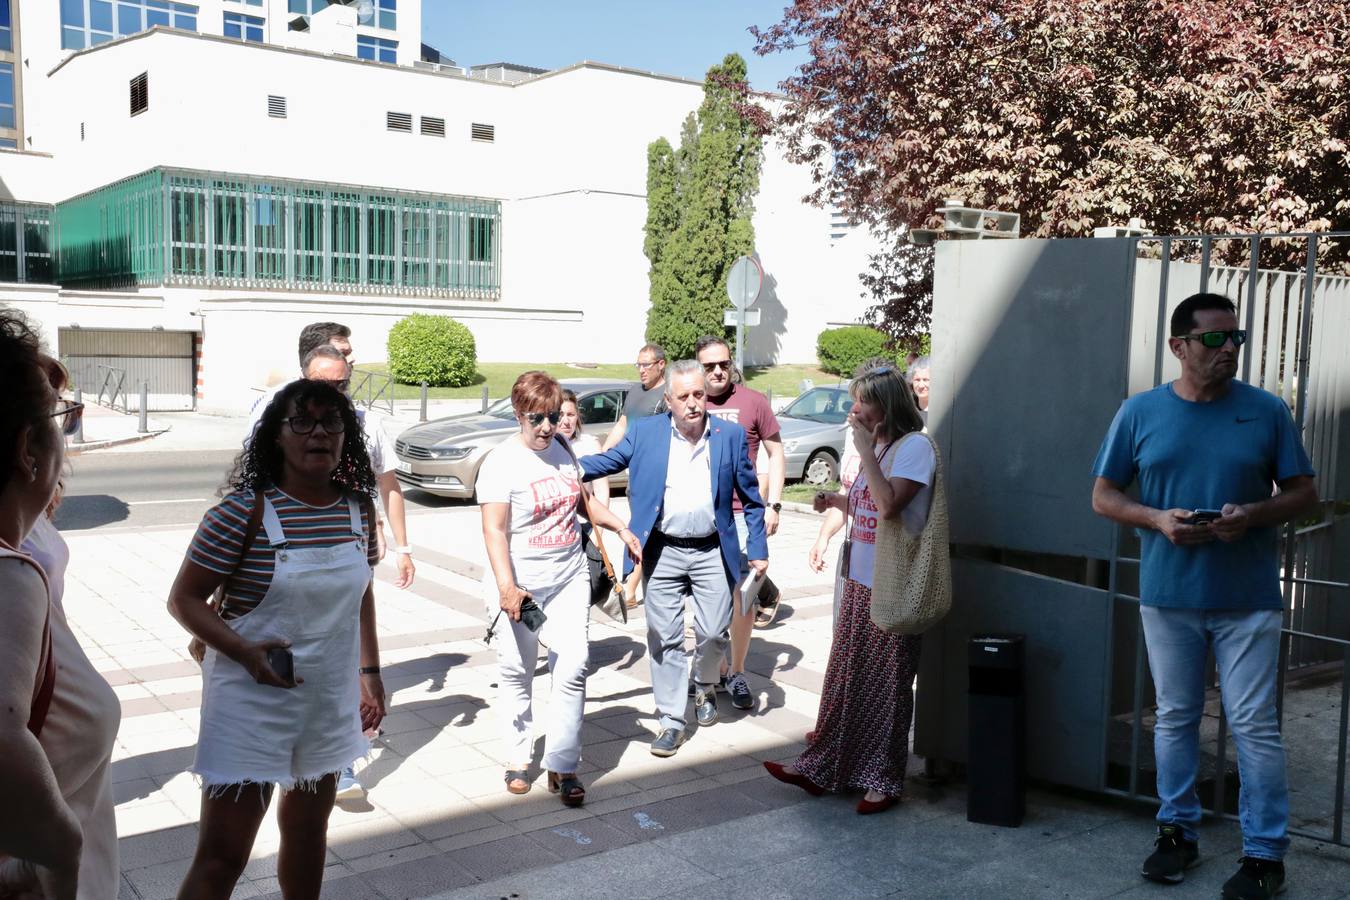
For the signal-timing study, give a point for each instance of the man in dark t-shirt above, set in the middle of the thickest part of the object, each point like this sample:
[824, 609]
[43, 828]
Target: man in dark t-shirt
[751, 410]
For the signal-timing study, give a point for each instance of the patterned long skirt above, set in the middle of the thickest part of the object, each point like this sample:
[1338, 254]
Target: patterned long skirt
[862, 728]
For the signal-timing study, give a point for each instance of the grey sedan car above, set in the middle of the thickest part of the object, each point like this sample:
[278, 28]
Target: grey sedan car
[814, 430]
[442, 457]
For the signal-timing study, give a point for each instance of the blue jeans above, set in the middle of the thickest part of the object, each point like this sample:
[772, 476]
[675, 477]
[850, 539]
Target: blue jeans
[1247, 649]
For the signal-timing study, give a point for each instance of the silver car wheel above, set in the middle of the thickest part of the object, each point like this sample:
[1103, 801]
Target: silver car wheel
[821, 468]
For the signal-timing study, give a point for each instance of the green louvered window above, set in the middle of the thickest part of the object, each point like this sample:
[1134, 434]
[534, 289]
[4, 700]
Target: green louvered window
[176, 227]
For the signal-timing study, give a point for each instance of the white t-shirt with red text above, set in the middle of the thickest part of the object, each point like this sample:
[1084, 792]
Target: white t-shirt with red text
[914, 460]
[542, 490]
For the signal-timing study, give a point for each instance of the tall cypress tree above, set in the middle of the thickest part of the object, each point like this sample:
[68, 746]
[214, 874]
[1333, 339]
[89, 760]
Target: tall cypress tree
[713, 178]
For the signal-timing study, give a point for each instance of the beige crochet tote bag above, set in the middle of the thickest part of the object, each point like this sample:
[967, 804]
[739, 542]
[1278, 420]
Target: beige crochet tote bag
[912, 573]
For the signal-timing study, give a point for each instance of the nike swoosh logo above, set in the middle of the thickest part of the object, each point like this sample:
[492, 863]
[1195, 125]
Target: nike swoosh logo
[1241, 420]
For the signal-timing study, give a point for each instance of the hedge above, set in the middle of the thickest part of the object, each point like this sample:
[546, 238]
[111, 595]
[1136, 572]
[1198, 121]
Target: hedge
[434, 349]
[840, 350]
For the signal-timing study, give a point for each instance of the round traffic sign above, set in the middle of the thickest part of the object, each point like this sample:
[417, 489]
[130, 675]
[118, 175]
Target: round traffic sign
[745, 281]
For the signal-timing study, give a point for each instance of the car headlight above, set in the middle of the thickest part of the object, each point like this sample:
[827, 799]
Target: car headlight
[451, 452]
[790, 446]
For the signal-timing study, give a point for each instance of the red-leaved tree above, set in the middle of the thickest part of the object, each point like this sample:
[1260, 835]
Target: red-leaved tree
[1199, 116]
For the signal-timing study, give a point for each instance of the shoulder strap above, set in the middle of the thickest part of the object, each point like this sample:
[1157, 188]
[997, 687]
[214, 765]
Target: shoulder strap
[586, 508]
[46, 686]
[251, 529]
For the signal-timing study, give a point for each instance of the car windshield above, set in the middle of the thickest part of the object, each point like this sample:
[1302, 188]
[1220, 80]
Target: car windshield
[501, 409]
[826, 405]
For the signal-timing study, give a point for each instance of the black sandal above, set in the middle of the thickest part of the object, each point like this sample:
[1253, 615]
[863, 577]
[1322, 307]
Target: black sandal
[517, 775]
[569, 786]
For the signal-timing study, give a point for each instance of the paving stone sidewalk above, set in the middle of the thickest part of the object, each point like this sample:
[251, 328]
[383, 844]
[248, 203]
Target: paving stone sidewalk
[438, 823]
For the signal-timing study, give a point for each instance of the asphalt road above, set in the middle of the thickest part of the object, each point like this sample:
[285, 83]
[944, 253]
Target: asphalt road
[109, 491]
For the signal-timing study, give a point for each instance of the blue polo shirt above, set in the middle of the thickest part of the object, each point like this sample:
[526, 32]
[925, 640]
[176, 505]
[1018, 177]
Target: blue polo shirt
[1191, 455]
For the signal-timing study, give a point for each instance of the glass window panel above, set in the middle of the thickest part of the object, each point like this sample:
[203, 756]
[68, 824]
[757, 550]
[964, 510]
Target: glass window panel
[5, 20]
[6, 116]
[72, 38]
[155, 17]
[6, 82]
[185, 21]
[299, 7]
[99, 38]
[157, 4]
[365, 48]
[388, 55]
[255, 34]
[72, 13]
[9, 143]
[100, 15]
[128, 19]
[388, 20]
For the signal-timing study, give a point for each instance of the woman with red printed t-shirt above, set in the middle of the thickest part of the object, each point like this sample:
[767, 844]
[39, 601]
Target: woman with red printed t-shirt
[861, 739]
[529, 489]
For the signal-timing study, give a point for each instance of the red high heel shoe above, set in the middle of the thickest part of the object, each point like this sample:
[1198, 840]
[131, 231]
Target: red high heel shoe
[793, 778]
[868, 807]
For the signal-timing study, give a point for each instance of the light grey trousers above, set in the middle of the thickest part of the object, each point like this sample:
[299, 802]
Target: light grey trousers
[675, 575]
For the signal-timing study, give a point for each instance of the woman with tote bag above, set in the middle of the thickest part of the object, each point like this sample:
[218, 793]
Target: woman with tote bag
[861, 740]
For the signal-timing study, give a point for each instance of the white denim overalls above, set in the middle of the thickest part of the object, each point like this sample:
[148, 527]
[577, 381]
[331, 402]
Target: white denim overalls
[256, 733]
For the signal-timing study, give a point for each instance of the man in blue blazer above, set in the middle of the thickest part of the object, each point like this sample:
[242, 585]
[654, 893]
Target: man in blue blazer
[683, 468]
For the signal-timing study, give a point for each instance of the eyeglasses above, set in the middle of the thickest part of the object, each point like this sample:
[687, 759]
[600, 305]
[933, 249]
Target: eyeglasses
[1216, 339]
[536, 419]
[723, 364]
[332, 424]
[71, 413]
[640, 366]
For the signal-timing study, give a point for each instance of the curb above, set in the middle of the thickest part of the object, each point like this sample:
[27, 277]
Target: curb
[77, 449]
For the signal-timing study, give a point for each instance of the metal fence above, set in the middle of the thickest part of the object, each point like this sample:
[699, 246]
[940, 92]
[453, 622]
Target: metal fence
[372, 390]
[1298, 320]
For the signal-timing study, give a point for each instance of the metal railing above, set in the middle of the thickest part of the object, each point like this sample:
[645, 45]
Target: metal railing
[371, 389]
[111, 385]
[1310, 369]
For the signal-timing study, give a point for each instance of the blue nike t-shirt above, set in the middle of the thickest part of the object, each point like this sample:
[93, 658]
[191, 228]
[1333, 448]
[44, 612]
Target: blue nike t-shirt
[1190, 455]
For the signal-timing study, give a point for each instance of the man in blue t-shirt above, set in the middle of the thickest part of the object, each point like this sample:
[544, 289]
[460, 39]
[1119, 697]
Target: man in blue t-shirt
[1207, 452]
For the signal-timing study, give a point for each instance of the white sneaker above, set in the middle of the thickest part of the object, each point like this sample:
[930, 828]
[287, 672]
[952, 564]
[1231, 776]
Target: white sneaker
[348, 788]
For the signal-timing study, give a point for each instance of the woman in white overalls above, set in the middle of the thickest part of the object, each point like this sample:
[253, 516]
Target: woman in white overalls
[301, 587]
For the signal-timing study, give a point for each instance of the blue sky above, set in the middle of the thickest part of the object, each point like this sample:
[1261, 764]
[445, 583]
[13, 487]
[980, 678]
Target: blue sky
[674, 38]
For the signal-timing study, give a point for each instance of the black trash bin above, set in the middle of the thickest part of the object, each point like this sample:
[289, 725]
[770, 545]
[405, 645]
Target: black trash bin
[997, 758]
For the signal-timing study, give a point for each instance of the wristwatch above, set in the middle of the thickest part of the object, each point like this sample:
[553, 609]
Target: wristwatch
[776, 507]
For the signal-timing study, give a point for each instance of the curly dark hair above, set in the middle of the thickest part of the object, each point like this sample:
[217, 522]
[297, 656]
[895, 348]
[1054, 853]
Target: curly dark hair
[258, 466]
[29, 377]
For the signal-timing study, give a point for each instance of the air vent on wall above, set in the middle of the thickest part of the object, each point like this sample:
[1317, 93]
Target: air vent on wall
[397, 121]
[140, 93]
[480, 132]
[276, 106]
[433, 126]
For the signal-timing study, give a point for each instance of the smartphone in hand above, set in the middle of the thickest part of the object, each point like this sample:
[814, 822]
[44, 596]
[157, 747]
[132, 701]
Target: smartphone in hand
[282, 661]
[1204, 516]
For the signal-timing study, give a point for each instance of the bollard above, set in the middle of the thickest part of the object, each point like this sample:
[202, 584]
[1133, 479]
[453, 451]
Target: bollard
[78, 436]
[769, 394]
[144, 426]
[424, 402]
[485, 398]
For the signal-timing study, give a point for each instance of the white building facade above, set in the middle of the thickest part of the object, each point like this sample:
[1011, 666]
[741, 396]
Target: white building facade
[186, 199]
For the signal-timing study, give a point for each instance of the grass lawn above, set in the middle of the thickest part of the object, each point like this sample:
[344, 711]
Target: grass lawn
[801, 492]
[782, 380]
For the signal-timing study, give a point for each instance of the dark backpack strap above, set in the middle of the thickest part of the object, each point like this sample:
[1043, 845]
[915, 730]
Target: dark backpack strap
[251, 530]
[46, 686]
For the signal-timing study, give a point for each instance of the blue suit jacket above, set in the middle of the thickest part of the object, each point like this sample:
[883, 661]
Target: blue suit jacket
[645, 452]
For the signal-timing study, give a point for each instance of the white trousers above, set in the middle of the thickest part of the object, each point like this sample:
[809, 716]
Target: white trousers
[565, 634]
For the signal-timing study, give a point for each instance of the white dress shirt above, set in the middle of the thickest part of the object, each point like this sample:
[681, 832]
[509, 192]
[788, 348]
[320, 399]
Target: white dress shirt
[688, 508]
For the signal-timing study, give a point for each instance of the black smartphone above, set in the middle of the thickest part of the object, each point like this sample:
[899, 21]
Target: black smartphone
[282, 662]
[532, 616]
[1204, 516]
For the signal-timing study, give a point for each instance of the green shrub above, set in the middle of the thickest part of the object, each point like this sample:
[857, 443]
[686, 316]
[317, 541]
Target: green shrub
[840, 350]
[434, 349]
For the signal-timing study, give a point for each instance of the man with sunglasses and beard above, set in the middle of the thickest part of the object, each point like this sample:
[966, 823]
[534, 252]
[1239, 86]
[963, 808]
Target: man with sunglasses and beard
[1219, 466]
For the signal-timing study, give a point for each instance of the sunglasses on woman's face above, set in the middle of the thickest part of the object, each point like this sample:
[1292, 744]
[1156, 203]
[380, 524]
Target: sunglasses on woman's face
[537, 419]
[70, 415]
